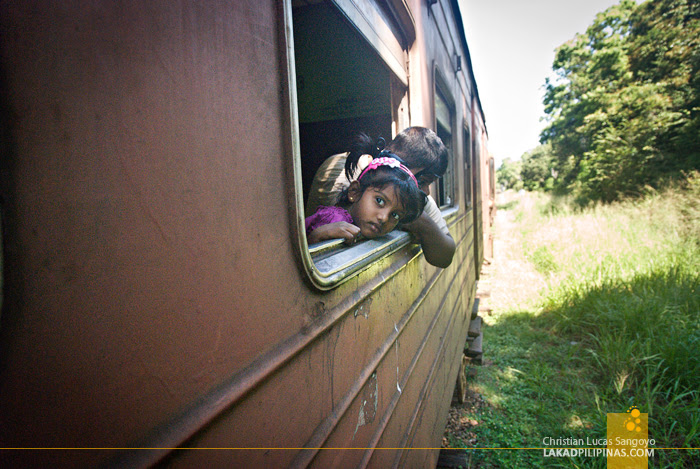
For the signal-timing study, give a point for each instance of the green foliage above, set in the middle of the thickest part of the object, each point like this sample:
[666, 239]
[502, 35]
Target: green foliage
[631, 299]
[537, 168]
[508, 175]
[617, 325]
[624, 108]
[543, 259]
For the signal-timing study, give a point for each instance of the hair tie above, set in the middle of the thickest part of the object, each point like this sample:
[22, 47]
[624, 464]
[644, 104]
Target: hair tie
[381, 143]
[388, 161]
[363, 161]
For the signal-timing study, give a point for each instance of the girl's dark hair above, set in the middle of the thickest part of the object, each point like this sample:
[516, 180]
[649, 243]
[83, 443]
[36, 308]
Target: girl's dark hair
[412, 198]
[362, 145]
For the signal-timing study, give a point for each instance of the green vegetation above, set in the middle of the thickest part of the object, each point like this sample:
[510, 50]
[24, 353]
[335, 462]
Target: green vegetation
[614, 232]
[623, 109]
[537, 171]
[618, 325]
[508, 174]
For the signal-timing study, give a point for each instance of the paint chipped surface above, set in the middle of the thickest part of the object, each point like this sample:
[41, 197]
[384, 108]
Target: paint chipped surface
[363, 309]
[370, 401]
[398, 388]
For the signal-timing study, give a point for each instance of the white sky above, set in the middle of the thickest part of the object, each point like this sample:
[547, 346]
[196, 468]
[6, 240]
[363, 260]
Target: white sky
[512, 43]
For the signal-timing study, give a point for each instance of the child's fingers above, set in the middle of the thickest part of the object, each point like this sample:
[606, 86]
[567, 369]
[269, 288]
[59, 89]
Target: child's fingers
[350, 233]
[350, 237]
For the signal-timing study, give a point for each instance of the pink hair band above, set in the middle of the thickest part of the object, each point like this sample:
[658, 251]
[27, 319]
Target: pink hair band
[388, 161]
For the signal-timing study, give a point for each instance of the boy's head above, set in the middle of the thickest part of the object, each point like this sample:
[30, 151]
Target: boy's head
[422, 151]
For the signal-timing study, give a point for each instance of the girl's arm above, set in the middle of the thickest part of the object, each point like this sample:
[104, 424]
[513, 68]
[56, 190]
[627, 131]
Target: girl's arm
[438, 247]
[340, 229]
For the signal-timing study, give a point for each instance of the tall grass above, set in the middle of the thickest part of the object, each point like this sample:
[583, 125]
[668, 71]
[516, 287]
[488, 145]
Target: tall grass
[627, 285]
[617, 325]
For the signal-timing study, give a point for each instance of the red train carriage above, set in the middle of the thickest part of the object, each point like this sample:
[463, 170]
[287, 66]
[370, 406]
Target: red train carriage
[160, 299]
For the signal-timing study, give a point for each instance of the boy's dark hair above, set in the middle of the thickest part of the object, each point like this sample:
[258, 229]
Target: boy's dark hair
[417, 147]
[412, 198]
[420, 147]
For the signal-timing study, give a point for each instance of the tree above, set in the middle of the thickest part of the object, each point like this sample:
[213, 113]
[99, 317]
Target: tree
[665, 56]
[537, 170]
[508, 174]
[623, 108]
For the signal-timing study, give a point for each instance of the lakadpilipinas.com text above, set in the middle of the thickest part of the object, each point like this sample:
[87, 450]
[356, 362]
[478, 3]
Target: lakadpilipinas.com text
[597, 447]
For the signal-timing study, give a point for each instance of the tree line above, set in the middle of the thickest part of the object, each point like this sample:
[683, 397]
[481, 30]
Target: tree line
[623, 106]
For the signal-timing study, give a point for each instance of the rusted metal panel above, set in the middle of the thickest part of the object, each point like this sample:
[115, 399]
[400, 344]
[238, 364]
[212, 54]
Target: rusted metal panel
[155, 298]
[134, 254]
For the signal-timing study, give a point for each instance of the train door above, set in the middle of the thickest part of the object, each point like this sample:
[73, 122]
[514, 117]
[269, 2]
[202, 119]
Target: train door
[478, 207]
[491, 206]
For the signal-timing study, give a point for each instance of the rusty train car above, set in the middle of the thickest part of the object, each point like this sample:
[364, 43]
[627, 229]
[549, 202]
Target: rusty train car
[161, 305]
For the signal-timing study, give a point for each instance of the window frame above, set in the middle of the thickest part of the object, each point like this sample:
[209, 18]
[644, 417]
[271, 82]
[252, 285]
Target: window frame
[330, 263]
[441, 91]
[468, 168]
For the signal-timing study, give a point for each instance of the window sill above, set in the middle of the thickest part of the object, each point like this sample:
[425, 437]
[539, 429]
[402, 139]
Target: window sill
[335, 262]
[449, 212]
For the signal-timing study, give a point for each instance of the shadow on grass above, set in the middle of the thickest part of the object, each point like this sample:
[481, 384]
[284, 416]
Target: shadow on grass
[557, 373]
[652, 318]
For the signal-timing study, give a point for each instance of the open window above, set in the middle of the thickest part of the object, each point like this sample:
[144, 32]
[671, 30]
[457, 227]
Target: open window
[468, 176]
[343, 87]
[347, 71]
[444, 117]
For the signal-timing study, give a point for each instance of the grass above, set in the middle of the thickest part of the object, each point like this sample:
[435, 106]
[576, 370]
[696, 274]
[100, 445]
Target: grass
[617, 325]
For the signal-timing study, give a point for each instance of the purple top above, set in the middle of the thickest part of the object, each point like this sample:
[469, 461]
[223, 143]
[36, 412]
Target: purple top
[325, 215]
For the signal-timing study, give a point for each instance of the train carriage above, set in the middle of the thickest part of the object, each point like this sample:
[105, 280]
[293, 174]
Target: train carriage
[161, 304]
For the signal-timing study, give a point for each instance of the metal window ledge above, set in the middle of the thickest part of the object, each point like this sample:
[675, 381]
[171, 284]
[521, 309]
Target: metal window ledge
[335, 262]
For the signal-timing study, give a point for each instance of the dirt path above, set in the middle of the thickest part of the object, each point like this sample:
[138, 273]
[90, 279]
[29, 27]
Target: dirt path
[510, 280]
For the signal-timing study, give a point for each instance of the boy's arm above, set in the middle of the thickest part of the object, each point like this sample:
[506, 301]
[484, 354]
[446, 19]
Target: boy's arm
[438, 247]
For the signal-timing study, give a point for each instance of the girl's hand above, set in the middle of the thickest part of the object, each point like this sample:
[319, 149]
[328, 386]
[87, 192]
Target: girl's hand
[340, 229]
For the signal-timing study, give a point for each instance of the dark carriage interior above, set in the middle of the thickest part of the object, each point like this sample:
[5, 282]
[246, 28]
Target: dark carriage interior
[343, 87]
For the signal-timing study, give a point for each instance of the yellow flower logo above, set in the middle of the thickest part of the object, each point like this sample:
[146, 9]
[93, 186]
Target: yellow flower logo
[632, 422]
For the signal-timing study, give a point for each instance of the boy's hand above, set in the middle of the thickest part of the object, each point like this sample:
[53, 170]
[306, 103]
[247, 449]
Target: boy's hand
[340, 229]
[438, 247]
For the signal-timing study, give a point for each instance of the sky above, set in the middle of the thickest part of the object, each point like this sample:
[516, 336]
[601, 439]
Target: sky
[512, 44]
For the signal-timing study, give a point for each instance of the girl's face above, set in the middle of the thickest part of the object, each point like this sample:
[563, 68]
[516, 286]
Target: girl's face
[375, 211]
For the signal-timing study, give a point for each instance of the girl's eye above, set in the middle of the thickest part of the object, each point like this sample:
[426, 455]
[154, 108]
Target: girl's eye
[380, 201]
[395, 216]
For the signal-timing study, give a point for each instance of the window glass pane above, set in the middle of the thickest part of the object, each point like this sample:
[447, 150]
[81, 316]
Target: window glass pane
[443, 114]
[468, 176]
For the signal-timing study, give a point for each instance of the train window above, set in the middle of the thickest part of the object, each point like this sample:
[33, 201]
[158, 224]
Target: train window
[444, 110]
[492, 178]
[349, 78]
[342, 86]
[468, 176]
